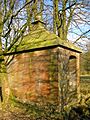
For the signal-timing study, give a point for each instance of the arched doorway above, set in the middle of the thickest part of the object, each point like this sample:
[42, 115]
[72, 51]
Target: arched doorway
[72, 79]
[68, 82]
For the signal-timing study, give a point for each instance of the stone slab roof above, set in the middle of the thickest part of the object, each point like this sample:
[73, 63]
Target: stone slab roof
[39, 37]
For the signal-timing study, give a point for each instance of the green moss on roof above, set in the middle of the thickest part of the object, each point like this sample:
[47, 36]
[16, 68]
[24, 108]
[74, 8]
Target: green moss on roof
[39, 37]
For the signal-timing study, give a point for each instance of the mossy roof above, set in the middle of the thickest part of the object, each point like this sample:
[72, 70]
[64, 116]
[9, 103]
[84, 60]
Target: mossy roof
[39, 37]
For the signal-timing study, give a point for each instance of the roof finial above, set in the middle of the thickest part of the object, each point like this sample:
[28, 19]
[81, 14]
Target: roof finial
[38, 20]
[38, 17]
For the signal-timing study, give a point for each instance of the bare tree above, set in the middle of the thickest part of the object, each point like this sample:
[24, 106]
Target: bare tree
[70, 17]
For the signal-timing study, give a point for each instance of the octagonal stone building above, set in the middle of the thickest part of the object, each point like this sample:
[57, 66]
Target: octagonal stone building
[44, 68]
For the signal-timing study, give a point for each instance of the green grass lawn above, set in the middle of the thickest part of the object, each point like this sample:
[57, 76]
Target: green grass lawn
[85, 84]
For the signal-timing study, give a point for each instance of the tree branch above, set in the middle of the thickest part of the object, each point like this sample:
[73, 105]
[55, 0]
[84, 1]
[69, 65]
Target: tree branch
[82, 35]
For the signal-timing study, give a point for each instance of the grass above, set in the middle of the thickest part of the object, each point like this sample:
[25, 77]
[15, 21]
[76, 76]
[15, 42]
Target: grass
[25, 111]
[85, 84]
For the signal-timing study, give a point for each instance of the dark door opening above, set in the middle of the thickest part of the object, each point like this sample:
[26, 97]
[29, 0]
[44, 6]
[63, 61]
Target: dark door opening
[72, 73]
[1, 96]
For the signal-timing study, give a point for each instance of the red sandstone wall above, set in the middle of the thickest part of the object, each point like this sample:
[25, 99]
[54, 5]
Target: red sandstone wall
[35, 76]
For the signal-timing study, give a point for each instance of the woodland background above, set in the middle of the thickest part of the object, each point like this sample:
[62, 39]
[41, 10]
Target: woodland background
[69, 19]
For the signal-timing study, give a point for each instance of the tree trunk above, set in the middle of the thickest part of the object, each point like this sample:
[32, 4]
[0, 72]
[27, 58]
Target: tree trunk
[41, 8]
[29, 14]
[56, 21]
[34, 9]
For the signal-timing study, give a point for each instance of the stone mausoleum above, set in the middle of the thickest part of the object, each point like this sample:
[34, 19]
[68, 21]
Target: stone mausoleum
[44, 68]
